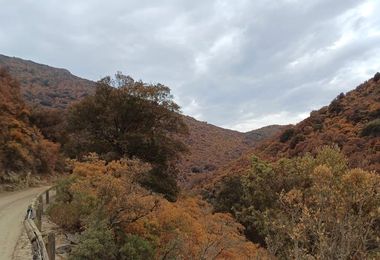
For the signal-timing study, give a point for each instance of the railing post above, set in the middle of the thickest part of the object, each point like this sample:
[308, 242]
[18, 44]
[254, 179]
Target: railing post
[47, 197]
[40, 210]
[51, 246]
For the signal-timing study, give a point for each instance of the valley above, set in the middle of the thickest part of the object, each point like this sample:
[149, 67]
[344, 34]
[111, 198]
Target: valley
[141, 179]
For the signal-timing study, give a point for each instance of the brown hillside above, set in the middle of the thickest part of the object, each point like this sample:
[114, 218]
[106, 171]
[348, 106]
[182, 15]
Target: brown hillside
[212, 147]
[343, 123]
[351, 122]
[44, 85]
[22, 147]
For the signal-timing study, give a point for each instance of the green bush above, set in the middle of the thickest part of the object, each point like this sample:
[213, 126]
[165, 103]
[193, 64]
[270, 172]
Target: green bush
[136, 248]
[286, 135]
[372, 129]
[97, 242]
[162, 180]
[296, 140]
[230, 194]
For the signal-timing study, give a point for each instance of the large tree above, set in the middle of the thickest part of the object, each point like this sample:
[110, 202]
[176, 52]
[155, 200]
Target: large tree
[131, 118]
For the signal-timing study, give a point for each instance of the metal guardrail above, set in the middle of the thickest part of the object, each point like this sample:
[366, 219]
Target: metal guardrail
[33, 223]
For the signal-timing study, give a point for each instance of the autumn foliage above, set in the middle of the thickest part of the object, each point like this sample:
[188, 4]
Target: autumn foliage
[23, 149]
[46, 86]
[351, 121]
[122, 219]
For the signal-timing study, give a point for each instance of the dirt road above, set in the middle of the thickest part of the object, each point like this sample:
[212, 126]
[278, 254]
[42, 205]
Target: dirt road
[13, 207]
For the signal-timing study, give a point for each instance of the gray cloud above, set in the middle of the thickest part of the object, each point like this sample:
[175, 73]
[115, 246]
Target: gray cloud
[238, 64]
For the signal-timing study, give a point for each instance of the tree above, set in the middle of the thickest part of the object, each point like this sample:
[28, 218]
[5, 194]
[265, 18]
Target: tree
[131, 118]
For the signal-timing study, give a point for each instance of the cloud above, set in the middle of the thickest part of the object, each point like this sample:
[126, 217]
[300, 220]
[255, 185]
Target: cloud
[240, 64]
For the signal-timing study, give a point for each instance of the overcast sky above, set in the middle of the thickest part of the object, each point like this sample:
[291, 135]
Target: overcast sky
[234, 63]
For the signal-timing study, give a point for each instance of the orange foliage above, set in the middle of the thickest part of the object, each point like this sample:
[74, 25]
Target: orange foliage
[186, 229]
[340, 123]
[47, 86]
[22, 147]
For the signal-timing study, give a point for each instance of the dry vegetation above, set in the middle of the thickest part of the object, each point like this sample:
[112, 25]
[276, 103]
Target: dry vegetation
[351, 121]
[307, 207]
[46, 86]
[23, 149]
[122, 220]
[212, 148]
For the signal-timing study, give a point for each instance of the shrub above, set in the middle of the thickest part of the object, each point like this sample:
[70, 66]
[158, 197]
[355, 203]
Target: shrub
[336, 105]
[376, 78]
[295, 140]
[230, 194]
[136, 248]
[97, 242]
[309, 207]
[286, 135]
[162, 181]
[65, 215]
[372, 129]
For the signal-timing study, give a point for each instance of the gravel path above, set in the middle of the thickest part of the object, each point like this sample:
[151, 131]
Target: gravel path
[13, 207]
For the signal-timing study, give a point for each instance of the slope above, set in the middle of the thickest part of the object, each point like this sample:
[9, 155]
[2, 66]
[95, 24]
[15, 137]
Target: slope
[23, 149]
[44, 85]
[350, 122]
[212, 147]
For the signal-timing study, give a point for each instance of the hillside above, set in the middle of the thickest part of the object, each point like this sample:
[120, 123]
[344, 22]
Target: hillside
[210, 147]
[23, 150]
[44, 85]
[351, 122]
[343, 122]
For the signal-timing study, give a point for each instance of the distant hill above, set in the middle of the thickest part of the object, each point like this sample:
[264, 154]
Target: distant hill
[210, 147]
[255, 137]
[44, 85]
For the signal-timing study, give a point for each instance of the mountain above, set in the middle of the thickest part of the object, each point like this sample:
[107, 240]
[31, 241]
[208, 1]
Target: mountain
[210, 147]
[351, 122]
[44, 85]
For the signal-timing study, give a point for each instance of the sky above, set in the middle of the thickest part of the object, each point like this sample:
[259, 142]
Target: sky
[238, 64]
